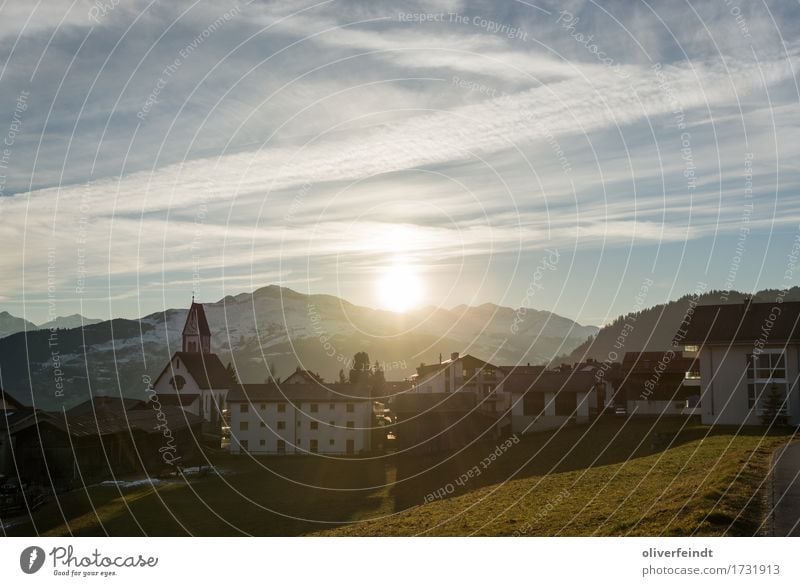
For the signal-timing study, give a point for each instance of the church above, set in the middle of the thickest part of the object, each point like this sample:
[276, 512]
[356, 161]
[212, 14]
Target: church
[195, 377]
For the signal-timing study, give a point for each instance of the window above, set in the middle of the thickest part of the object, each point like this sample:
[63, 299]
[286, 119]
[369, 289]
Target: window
[764, 371]
[533, 403]
[261, 424]
[487, 389]
[766, 366]
[243, 443]
[281, 425]
[281, 447]
[351, 424]
[177, 382]
[351, 446]
[262, 442]
[263, 406]
[298, 423]
[351, 408]
[314, 425]
[244, 408]
[332, 423]
[331, 442]
[314, 407]
[566, 403]
[332, 406]
[281, 407]
[243, 425]
[314, 446]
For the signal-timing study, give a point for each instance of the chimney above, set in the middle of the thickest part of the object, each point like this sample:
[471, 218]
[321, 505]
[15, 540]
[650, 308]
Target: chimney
[454, 356]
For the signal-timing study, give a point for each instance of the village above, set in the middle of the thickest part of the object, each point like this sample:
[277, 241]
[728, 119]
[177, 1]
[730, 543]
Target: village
[195, 410]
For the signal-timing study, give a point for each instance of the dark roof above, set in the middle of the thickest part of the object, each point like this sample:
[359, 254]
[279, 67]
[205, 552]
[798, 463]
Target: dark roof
[468, 358]
[206, 369]
[774, 323]
[4, 396]
[523, 369]
[295, 393]
[105, 403]
[180, 399]
[202, 322]
[550, 382]
[110, 421]
[434, 402]
[647, 362]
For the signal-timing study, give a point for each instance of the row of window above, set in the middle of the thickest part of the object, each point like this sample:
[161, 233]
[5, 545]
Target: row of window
[245, 425]
[245, 407]
[313, 445]
[765, 372]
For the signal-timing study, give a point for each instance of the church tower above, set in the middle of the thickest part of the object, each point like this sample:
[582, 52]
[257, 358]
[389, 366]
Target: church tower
[196, 333]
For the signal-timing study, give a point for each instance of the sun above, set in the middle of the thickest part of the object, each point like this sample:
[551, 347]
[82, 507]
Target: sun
[400, 288]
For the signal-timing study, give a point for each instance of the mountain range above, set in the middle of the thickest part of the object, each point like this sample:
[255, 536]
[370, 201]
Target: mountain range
[273, 326]
[10, 324]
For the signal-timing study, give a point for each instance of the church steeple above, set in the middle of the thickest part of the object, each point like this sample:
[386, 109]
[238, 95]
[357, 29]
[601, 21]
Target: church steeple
[196, 333]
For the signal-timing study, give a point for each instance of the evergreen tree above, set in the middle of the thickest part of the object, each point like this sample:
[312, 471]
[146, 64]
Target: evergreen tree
[772, 411]
[232, 374]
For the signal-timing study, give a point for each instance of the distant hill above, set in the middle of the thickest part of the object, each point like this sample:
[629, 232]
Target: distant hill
[279, 326]
[75, 320]
[10, 324]
[654, 328]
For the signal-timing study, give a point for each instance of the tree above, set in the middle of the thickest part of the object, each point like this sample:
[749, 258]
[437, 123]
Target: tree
[232, 374]
[772, 412]
[361, 369]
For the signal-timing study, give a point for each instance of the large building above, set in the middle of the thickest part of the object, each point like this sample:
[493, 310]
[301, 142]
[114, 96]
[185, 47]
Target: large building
[745, 352]
[300, 418]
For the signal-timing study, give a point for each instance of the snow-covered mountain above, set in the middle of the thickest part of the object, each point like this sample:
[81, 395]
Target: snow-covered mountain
[282, 327]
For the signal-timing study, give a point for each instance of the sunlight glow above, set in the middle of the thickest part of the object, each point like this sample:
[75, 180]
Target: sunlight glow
[400, 288]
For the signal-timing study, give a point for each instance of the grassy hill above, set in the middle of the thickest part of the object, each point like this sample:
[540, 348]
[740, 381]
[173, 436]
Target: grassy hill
[616, 477]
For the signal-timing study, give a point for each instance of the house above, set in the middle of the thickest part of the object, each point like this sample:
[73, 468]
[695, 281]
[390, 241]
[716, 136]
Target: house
[99, 439]
[435, 422]
[272, 418]
[302, 377]
[464, 374]
[659, 383]
[195, 378]
[552, 399]
[744, 351]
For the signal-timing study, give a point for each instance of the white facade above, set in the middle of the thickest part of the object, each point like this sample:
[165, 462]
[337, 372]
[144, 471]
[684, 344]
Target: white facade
[272, 427]
[522, 422]
[464, 374]
[177, 379]
[730, 388]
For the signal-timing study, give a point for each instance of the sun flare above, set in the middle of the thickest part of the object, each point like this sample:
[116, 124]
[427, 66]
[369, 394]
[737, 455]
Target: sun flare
[400, 288]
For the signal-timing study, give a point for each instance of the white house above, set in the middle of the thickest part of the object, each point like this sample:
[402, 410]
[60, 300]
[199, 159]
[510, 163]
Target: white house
[551, 399]
[301, 418]
[195, 377]
[745, 351]
[465, 374]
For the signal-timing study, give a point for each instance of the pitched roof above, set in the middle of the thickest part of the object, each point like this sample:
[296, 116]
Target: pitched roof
[550, 382]
[202, 322]
[206, 369]
[469, 359]
[105, 403]
[523, 369]
[774, 323]
[9, 400]
[109, 421]
[295, 393]
[646, 362]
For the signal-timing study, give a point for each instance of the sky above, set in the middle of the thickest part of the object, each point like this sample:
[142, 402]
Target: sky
[579, 157]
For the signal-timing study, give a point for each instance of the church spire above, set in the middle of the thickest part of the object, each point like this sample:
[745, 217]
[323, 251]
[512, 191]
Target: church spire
[196, 333]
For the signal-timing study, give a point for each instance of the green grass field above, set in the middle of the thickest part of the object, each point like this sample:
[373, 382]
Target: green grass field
[616, 477]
